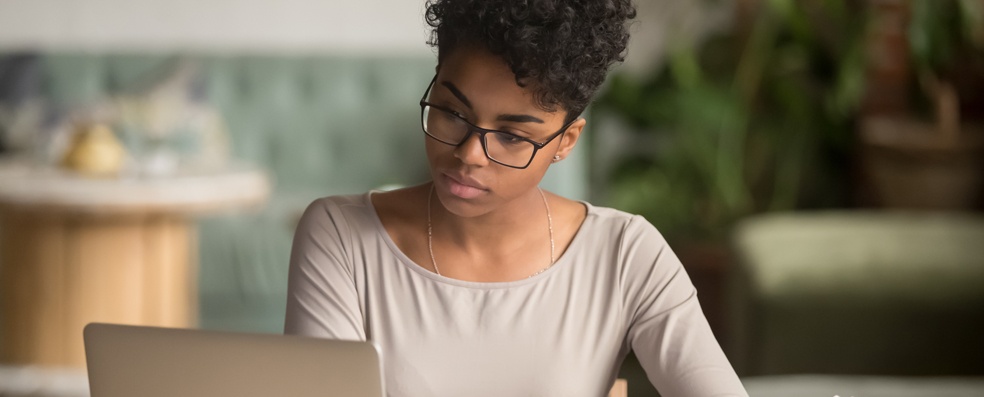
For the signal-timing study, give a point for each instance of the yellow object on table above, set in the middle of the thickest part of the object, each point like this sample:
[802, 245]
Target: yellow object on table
[95, 151]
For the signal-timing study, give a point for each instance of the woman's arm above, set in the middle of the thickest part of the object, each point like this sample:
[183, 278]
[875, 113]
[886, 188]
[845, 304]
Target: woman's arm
[322, 293]
[666, 327]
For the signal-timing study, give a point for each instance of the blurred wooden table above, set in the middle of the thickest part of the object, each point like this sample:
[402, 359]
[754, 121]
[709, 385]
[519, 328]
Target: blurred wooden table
[75, 250]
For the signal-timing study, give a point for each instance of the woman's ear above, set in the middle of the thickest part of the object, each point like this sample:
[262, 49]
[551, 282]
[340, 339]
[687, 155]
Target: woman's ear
[569, 139]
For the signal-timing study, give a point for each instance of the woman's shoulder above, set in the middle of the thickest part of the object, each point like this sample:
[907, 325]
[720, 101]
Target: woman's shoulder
[400, 213]
[337, 202]
[382, 202]
[341, 212]
[602, 227]
[615, 219]
[330, 209]
[399, 202]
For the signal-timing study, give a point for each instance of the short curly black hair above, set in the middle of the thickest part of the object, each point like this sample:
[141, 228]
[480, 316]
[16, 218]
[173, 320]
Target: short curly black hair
[563, 47]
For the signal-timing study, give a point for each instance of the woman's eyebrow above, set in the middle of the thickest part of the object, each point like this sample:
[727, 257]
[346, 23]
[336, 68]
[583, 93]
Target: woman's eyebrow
[515, 118]
[454, 90]
[519, 118]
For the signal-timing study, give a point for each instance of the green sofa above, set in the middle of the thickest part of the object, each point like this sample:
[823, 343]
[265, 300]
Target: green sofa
[859, 292]
[320, 124]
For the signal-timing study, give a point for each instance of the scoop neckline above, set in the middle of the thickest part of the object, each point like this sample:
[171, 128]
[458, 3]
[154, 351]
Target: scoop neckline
[405, 260]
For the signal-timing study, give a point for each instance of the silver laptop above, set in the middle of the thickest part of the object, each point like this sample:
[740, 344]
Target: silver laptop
[129, 361]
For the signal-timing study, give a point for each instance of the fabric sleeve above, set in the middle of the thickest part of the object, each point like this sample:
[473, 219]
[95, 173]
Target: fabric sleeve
[665, 325]
[322, 293]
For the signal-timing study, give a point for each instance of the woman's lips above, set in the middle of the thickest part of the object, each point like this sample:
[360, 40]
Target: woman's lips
[462, 189]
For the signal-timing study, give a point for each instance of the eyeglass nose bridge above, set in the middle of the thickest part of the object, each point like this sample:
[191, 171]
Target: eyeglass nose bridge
[480, 134]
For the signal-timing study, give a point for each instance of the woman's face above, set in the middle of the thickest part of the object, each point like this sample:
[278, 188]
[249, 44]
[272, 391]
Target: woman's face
[482, 89]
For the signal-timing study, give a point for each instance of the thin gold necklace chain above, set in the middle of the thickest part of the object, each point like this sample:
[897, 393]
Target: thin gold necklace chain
[430, 234]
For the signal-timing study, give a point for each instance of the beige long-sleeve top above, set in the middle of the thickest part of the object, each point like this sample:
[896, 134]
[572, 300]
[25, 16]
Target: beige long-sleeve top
[563, 332]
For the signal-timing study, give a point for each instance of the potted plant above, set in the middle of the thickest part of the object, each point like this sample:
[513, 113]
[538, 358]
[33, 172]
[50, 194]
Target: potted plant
[925, 148]
[759, 118]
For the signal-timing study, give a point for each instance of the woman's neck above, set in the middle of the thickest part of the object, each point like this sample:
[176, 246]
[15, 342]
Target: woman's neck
[513, 224]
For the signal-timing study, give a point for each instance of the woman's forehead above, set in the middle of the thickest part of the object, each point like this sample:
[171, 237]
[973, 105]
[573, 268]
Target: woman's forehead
[485, 79]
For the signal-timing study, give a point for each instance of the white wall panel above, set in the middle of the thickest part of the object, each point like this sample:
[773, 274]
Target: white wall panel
[359, 26]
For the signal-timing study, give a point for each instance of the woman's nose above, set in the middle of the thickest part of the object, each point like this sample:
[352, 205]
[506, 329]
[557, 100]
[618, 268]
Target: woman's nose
[471, 151]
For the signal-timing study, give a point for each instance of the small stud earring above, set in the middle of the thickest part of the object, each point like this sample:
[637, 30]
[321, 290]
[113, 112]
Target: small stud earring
[556, 158]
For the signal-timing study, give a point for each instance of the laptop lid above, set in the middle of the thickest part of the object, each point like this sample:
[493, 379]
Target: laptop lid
[127, 361]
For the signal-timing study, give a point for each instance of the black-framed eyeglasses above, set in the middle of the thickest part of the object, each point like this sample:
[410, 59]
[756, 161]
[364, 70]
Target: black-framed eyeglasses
[449, 127]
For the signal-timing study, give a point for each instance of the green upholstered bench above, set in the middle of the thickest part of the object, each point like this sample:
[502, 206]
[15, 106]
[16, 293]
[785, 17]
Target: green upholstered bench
[859, 293]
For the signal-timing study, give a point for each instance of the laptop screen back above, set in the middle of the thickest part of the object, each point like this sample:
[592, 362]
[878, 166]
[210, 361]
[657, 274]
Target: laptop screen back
[127, 361]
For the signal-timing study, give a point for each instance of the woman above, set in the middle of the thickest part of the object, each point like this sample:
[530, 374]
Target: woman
[479, 283]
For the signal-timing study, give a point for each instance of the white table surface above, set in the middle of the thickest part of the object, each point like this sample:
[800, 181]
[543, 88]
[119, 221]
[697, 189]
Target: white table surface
[189, 189]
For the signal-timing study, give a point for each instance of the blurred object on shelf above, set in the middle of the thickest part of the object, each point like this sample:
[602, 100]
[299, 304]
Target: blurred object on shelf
[914, 164]
[22, 110]
[887, 72]
[167, 122]
[19, 123]
[921, 135]
[159, 114]
[95, 151]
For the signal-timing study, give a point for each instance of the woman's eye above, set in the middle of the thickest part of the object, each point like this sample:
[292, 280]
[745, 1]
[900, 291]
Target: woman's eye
[459, 115]
[452, 115]
[508, 139]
